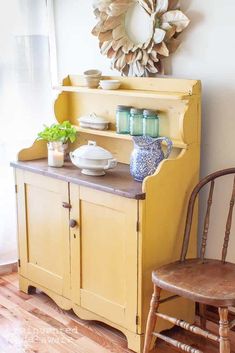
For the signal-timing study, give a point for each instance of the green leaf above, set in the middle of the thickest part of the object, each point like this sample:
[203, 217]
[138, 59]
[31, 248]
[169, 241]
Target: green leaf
[63, 132]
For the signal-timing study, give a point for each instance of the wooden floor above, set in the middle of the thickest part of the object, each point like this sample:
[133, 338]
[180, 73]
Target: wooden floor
[33, 323]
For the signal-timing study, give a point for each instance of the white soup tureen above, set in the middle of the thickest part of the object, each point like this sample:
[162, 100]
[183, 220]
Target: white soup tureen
[92, 159]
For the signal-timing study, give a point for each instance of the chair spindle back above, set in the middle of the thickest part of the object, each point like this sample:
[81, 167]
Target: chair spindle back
[209, 179]
[228, 224]
[207, 220]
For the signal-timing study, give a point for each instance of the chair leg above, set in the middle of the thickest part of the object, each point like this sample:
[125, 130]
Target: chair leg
[224, 331]
[202, 313]
[152, 318]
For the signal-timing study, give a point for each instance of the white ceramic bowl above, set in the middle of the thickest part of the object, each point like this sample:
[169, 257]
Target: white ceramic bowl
[110, 84]
[93, 73]
[92, 78]
[92, 82]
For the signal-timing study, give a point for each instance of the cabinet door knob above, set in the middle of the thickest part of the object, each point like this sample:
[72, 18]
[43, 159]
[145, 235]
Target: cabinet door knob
[72, 223]
[66, 205]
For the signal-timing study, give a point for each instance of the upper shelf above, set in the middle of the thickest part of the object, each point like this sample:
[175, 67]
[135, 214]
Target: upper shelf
[113, 134]
[125, 92]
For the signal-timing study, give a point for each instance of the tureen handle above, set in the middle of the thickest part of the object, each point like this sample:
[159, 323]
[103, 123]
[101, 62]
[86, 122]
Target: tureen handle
[112, 163]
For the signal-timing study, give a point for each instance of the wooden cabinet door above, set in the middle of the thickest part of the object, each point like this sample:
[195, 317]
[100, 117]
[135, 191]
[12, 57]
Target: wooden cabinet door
[106, 270]
[43, 228]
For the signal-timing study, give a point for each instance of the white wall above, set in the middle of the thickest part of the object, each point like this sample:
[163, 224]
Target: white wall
[207, 53]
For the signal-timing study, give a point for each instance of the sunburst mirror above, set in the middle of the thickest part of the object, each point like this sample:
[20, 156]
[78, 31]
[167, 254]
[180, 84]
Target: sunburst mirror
[140, 55]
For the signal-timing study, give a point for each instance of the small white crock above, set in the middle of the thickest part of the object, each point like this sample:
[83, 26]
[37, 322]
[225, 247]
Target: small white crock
[93, 121]
[92, 159]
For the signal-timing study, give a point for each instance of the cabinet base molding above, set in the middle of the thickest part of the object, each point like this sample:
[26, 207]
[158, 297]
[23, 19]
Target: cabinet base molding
[135, 341]
[27, 286]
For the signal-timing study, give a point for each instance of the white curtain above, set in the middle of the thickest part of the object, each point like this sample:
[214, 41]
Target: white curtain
[26, 100]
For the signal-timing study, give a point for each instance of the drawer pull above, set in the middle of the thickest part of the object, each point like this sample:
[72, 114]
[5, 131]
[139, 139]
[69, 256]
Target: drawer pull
[72, 223]
[66, 205]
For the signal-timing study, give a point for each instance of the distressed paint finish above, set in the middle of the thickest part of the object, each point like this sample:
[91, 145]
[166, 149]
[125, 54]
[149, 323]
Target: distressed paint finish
[144, 238]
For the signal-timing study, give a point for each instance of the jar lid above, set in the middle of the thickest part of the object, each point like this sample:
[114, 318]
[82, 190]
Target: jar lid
[92, 151]
[123, 108]
[150, 112]
[136, 111]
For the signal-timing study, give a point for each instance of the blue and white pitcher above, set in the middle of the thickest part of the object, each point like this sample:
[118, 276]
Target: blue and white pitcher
[147, 154]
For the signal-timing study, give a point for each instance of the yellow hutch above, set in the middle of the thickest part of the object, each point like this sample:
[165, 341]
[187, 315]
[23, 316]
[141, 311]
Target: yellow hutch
[90, 243]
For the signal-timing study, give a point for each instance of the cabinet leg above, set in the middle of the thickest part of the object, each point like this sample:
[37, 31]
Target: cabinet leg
[24, 285]
[135, 342]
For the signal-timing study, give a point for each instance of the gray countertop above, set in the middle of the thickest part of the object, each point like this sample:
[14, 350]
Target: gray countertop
[117, 181]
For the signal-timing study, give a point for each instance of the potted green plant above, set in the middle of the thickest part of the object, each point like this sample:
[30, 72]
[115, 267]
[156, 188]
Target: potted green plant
[57, 137]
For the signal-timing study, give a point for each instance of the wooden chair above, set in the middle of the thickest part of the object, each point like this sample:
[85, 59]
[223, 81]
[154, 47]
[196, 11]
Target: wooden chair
[206, 281]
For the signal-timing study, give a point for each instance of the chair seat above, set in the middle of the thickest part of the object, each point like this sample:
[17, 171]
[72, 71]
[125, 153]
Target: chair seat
[210, 282]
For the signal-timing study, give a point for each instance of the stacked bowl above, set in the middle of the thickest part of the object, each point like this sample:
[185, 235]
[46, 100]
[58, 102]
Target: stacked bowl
[92, 78]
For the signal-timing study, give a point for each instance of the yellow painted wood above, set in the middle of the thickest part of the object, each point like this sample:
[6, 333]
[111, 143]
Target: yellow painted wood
[125, 92]
[163, 84]
[171, 107]
[113, 134]
[172, 98]
[170, 120]
[109, 263]
[120, 148]
[75, 243]
[135, 341]
[36, 151]
[170, 114]
[108, 256]
[43, 231]
[162, 224]
[62, 302]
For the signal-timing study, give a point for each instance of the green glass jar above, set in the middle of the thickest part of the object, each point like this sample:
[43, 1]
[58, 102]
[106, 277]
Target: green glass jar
[136, 122]
[150, 123]
[123, 119]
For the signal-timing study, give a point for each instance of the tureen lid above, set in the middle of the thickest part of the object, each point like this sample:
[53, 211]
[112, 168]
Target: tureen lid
[92, 151]
[92, 118]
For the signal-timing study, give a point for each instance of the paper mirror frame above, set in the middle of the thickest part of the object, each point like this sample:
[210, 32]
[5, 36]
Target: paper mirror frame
[143, 59]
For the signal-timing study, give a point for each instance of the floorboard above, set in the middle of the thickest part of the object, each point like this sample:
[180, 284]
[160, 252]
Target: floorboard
[35, 324]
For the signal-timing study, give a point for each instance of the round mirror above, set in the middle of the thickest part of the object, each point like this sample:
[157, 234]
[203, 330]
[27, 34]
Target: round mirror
[138, 24]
